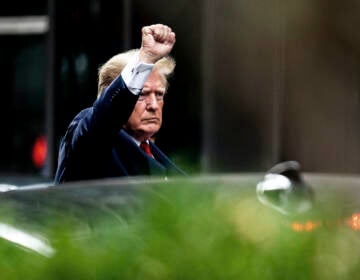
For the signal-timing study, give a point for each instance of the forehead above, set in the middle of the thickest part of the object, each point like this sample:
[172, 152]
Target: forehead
[155, 80]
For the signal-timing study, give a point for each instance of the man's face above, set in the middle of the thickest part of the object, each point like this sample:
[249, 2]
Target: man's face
[146, 118]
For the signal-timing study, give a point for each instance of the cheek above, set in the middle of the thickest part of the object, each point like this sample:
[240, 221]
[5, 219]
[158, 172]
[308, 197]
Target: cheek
[139, 110]
[135, 117]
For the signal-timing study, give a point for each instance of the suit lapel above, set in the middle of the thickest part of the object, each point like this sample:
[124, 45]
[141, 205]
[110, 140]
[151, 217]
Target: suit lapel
[171, 168]
[136, 160]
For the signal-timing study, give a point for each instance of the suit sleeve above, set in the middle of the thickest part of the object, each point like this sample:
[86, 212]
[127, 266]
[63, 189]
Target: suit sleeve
[115, 105]
[89, 138]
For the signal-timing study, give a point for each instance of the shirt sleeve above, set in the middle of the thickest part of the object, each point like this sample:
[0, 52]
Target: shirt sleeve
[135, 74]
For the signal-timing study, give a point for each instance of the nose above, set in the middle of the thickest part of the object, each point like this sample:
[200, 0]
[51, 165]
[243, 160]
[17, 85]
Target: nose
[151, 101]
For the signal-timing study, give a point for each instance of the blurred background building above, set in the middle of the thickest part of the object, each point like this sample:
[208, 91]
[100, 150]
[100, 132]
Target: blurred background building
[256, 82]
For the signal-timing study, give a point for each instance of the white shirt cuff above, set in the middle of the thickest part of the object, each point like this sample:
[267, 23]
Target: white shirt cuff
[135, 74]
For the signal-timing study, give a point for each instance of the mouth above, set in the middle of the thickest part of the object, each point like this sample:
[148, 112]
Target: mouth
[151, 120]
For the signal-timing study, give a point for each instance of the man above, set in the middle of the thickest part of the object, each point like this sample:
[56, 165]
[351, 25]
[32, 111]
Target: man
[107, 139]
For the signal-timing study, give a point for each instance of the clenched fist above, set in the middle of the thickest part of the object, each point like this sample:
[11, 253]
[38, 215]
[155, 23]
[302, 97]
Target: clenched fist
[157, 42]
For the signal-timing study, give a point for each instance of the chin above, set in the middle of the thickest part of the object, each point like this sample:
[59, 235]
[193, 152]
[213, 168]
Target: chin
[151, 129]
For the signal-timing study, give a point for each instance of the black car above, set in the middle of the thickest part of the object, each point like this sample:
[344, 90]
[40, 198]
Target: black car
[277, 225]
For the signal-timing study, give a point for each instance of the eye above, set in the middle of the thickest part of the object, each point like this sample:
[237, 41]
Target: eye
[159, 95]
[142, 96]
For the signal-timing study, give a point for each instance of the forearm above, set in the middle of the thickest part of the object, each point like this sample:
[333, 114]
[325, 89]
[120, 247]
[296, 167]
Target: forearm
[114, 106]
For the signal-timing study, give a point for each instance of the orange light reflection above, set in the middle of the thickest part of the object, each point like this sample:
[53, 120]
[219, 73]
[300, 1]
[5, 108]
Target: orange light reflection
[354, 221]
[308, 226]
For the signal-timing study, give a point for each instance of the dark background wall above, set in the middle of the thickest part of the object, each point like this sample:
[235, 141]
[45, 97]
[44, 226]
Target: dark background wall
[282, 80]
[22, 76]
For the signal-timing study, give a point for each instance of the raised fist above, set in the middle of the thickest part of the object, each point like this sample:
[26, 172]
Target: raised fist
[157, 42]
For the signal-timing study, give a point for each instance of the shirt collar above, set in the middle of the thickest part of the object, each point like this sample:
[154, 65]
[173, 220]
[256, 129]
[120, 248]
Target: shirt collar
[137, 141]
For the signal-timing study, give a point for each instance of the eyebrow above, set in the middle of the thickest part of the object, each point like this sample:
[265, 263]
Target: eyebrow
[162, 90]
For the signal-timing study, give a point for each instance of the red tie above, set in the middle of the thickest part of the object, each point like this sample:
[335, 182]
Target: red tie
[146, 147]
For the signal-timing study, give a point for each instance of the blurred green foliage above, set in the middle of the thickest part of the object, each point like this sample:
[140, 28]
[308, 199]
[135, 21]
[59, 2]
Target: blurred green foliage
[185, 232]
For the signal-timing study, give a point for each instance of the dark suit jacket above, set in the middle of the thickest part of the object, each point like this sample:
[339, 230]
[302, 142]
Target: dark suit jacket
[96, 146]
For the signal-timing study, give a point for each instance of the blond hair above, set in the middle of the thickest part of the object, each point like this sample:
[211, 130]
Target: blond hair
[113, 67]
